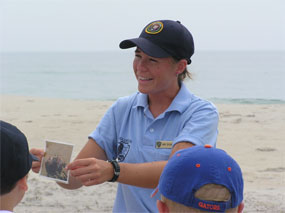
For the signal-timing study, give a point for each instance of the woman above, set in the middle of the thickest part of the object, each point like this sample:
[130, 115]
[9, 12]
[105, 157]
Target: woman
[140, 132]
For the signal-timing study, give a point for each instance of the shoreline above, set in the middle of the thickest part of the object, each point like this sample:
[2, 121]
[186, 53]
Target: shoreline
[253, 134]
[246, 101]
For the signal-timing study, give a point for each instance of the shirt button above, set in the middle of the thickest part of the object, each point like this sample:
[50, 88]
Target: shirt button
[151, 130]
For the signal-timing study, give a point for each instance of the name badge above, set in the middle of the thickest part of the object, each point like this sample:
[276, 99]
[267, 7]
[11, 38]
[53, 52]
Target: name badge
[163, 144]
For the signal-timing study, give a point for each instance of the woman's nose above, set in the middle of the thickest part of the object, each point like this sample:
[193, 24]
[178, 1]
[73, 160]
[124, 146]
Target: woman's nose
[141, 65]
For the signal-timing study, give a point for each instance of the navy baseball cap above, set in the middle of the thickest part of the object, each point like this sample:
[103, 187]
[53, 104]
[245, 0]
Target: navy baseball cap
[164, 38]
[190, 169]
[16, 160]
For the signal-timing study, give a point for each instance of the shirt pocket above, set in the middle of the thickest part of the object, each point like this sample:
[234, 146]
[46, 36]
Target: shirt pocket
[161, 154]
[154, 154]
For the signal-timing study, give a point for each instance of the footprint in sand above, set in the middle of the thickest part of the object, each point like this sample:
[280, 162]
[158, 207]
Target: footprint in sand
[278, 169]
[266, 149]
[236, 121]
[250, 115]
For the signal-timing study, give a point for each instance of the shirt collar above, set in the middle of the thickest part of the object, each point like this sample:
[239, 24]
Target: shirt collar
[142, 100]
[179, 103]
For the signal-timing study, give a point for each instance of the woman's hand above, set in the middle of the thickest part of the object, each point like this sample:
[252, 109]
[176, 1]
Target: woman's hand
[39, 153]
[91, 171]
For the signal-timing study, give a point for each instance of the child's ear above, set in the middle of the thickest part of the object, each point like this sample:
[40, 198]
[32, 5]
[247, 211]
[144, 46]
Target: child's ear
[22, 183]
[162, 207]
[240, 207]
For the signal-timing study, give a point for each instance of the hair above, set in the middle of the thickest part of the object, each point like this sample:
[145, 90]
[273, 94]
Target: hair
[209, 192]
[184, 74]
[6, 188]
[213, 192]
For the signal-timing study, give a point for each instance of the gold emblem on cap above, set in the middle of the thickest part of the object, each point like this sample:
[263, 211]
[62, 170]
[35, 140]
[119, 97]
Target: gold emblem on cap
[154, 27]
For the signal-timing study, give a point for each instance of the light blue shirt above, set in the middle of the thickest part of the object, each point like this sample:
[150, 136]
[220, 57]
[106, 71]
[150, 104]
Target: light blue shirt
[129, 132]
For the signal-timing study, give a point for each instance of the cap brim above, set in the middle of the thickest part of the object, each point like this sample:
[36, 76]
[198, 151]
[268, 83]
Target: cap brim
[146, 46]
[34, 158]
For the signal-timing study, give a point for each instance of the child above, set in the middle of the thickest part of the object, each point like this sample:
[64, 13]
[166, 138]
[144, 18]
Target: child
[16, 162]
[201, 179]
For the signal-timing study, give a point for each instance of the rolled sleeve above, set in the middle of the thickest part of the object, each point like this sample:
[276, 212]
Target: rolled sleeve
[105, 133]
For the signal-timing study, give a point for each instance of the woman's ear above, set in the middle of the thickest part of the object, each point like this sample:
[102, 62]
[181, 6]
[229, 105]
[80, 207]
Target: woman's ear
[182, 64]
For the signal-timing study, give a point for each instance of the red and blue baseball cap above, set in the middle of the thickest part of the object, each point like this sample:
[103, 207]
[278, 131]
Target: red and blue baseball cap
[16, 160]
[164, 38]
[190, 169]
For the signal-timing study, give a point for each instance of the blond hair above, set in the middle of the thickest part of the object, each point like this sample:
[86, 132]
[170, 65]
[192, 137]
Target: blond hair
[209, 192]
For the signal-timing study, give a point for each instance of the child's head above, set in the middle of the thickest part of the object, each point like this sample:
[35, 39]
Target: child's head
[16, 160]
[202, 179]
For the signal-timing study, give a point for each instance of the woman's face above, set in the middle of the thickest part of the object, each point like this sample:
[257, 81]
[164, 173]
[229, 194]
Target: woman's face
[155, 75]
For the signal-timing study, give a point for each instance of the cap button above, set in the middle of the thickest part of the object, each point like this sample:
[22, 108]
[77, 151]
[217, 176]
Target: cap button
[178, 22]
[208, 146]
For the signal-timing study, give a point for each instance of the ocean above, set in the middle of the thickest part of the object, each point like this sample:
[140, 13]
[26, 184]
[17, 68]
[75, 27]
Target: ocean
[226, 77]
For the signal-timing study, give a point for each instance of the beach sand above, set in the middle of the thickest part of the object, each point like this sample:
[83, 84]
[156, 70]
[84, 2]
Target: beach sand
[254, 135]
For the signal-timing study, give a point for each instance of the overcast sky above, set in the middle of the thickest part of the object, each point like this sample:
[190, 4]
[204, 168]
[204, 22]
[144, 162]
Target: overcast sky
[96, 25]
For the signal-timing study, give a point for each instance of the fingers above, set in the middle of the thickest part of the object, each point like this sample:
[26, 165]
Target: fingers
[89, 179]
[91, 182]
[81, 170]
[79, 163]
[37, 152]
[36, 165]
[89, 171]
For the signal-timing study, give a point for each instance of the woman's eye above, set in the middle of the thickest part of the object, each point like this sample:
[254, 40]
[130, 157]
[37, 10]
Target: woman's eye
[153, 60]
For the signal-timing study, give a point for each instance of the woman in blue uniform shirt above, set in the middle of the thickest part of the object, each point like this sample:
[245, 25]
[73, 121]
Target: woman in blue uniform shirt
[138, 134]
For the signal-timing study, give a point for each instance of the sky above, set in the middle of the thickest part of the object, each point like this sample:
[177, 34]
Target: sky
[100, 25]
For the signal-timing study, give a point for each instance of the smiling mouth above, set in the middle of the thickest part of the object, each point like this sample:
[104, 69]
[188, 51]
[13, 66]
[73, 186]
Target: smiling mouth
[144, 79]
